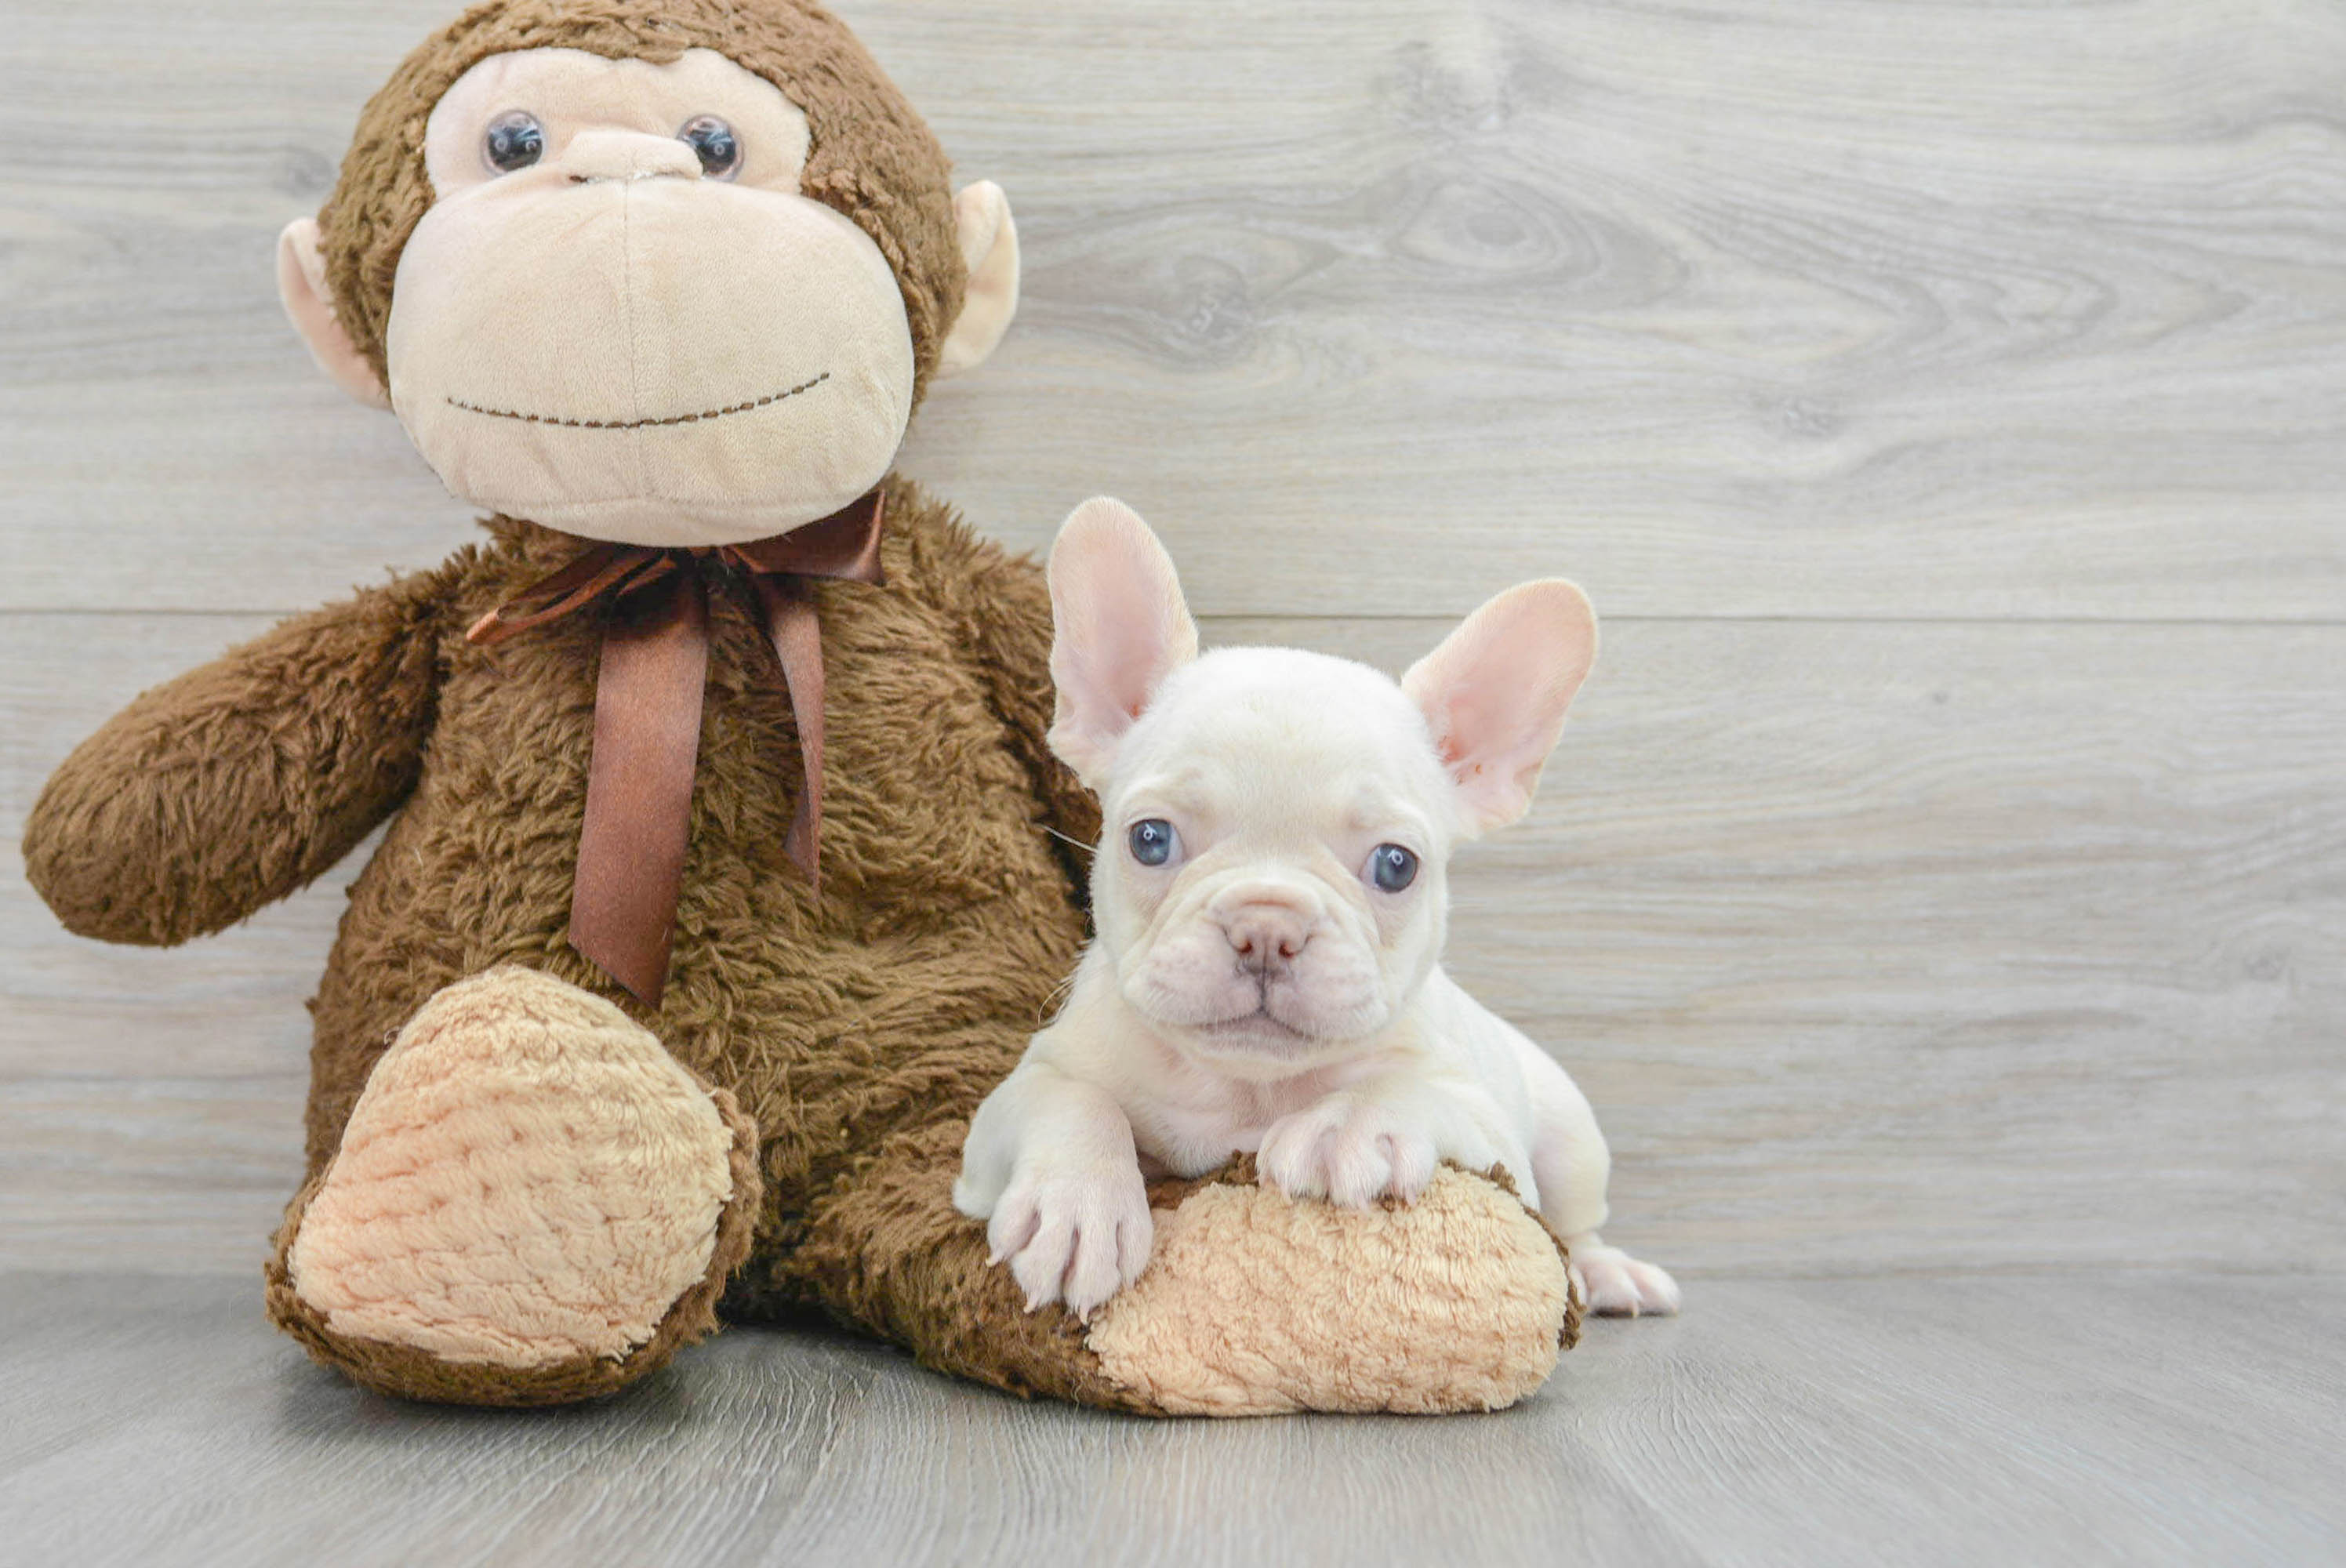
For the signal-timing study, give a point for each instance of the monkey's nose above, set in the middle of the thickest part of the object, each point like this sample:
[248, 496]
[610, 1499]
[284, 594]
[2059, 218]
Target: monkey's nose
[1266, 938]
[599, 155]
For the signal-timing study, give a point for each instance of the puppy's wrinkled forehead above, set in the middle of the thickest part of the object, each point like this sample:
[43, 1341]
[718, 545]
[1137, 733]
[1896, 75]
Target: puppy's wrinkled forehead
[1274, 733]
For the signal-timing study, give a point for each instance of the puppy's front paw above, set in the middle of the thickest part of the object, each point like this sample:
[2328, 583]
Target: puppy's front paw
[1348, 1153]
[1615, 1285]
[1078, 1236]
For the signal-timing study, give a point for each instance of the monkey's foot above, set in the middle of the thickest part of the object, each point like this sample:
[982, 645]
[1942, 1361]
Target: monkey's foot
[1254, 1302]
[533, 1203]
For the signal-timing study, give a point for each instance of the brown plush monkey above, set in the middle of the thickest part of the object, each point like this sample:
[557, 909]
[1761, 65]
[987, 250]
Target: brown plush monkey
[726, 870]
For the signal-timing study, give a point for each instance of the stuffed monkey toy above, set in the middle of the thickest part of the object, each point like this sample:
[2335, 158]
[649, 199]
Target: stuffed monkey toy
[726, 869]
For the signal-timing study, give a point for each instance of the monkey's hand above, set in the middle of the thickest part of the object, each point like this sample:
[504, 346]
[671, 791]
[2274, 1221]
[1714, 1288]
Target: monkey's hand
[233, 785]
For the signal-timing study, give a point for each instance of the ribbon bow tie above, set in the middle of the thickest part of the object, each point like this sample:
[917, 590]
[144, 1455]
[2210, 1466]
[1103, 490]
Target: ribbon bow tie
[647, 696]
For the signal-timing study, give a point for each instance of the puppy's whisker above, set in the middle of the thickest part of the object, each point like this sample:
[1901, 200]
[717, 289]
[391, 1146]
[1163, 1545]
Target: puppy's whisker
[1056, 1000]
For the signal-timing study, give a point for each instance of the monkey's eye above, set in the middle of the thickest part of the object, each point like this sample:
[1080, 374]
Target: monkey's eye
[1391, 868]
[515, 140]
[1153, 841]
[713, 142]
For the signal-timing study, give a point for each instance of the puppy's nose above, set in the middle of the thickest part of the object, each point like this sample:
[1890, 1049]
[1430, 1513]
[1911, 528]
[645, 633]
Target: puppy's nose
[1266, 938]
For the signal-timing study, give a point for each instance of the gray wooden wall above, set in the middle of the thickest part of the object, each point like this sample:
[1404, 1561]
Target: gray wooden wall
[1941, 401]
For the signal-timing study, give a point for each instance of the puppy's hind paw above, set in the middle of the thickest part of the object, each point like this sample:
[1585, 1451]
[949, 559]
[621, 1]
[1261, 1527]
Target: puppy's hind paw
[1615, 1285]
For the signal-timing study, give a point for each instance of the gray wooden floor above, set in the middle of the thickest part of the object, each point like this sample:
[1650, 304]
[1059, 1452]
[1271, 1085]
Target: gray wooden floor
[2126, 1419]
[1941, 890]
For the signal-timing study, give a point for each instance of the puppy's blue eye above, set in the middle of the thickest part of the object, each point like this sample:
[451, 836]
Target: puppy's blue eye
[1391, 868]
[1153, 841]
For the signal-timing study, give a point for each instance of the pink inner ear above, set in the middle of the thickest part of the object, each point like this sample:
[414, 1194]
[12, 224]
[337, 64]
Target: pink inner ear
[1121, 629]
[1469, 727]
[1496, 692]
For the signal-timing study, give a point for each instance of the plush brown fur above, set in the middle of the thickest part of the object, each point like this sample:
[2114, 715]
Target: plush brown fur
[241, 781]
[856, 1031]
[870, 156]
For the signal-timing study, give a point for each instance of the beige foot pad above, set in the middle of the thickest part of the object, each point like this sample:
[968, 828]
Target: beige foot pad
[1255, 1303]
[530, 1187]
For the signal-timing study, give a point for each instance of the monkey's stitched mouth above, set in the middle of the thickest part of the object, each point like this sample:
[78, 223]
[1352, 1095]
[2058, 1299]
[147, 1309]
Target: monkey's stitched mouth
[766, 401]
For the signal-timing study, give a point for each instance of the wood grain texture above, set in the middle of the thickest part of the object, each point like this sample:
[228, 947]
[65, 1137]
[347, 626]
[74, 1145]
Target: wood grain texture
[2037, 1419]
[1879, 947]
[1953, 310]
[1942, 891]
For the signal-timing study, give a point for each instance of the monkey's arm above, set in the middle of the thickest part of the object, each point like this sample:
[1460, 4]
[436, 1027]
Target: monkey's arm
[1002, 606]
[236, 783]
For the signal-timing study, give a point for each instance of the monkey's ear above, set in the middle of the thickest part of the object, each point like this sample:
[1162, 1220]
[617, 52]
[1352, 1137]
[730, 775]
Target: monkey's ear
[309, 303]
[989, 249]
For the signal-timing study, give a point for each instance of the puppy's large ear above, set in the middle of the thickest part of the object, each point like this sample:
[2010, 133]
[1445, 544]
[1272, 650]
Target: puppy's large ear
[1119, 628]
[1496, 691]
[310, 305]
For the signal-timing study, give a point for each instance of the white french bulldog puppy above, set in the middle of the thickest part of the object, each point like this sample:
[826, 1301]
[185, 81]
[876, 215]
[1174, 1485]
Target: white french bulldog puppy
[1270, 902]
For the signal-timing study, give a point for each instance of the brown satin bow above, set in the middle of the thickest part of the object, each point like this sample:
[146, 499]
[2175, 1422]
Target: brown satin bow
[648, 696]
